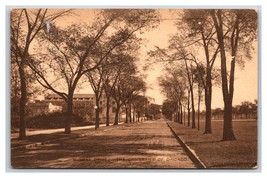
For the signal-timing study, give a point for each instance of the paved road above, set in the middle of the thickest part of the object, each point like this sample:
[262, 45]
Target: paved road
[139, 145]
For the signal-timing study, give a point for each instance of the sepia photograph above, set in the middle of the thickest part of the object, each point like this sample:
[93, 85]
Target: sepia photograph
[134, 88]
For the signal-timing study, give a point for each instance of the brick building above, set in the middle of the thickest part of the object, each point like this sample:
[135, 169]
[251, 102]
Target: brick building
[83, 105]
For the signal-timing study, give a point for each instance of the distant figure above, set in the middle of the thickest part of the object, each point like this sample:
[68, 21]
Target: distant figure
[48, 26]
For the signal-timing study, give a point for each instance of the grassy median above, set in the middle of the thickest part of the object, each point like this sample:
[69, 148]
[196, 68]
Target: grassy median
[215, 153]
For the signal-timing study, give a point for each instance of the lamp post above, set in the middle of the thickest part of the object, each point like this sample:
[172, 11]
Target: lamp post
[160, 110]
[96, 117]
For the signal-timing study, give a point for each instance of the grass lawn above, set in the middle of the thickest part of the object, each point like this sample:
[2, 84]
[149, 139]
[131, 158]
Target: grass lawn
[215, 153]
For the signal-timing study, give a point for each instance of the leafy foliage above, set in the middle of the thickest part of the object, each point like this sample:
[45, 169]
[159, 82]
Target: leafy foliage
[54, 120]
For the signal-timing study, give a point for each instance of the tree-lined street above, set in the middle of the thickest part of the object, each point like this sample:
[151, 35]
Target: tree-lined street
[102, 67]
[150, 144]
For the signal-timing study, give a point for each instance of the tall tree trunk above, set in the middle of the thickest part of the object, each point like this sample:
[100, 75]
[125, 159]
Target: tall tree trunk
[193, 109]
[188, 109]
[193, 104]
[184, 115]
[190, 82]
[134, 114]
[188, 117]
[116, 121]
[69, 113]
[126, 114]
[23, 99]
[208, 95]
[198, 112]
[107, 111]
[228, 133]
[178, 113]
[208, 85]
[130, 111]
[97, 118]
[181, 113]
[97, 114]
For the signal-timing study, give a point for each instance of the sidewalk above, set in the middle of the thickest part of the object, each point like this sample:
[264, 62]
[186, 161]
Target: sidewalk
[39, 137]
[49, 131]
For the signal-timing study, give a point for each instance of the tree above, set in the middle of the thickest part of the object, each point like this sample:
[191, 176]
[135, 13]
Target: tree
[188, 107]
[108, 85]
[168, 109]
[245, 108]
[100, 81]
[217, 112]
[95, 78]
[32, 92]
[177, 53]
[254, 108]
[126, 89]
[67, 51]
[236, 111]
[114, 67]
[191, 90]
[236, 30]
[183, 55]
[154, 110]
[198, 72]
[15, 95]
[173, 86]
[248, 109]
[139, 104]
[128, 69]
[73, 49]
[128, 85]
[24, 27]
[198, 27]
[105, 76]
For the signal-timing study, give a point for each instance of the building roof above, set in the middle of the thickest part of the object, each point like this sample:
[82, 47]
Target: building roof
[78, 95]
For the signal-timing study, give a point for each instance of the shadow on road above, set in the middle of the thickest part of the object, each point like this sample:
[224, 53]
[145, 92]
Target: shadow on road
[139, 146]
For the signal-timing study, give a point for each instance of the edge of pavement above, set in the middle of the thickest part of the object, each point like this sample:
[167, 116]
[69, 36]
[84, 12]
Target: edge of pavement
[190, 152]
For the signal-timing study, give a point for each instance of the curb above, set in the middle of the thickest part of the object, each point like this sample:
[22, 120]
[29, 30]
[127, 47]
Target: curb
[191, 153]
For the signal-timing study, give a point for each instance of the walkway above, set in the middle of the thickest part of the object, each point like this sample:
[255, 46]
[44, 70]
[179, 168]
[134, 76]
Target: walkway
[49, 131]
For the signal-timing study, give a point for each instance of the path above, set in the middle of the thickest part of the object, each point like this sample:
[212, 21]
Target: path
[49, 131]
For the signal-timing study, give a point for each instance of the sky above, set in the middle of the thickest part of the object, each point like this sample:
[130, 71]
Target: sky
[246, 79]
